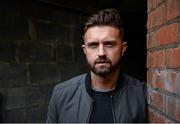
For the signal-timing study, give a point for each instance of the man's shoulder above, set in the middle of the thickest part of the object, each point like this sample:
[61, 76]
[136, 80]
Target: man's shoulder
[73, 82]
[135, 86]
[132, 81]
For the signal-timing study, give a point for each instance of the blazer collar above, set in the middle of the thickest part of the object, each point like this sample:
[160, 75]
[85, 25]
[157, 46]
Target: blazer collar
[120, 83]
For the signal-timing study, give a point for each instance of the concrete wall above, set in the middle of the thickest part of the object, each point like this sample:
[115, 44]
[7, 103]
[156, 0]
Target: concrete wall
[40, 45]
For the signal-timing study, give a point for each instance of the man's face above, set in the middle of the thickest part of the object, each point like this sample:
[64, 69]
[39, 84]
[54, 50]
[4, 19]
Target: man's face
[103, 47]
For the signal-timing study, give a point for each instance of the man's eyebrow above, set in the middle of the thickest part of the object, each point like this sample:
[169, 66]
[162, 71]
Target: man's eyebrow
[90, 42]
[112, 41]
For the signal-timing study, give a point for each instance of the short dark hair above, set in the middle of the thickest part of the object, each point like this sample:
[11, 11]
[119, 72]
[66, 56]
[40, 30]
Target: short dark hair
[110, 17]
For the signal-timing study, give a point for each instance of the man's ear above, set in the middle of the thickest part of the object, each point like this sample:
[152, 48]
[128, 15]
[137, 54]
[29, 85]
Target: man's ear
[124, 48]
[84, 50]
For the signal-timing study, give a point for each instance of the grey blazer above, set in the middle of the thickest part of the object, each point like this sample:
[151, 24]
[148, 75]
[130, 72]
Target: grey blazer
[71, 101]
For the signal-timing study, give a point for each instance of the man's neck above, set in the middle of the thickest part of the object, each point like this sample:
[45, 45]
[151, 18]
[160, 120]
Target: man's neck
[106, 82]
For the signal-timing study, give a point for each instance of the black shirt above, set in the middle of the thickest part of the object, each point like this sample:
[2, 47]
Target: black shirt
[102, 111]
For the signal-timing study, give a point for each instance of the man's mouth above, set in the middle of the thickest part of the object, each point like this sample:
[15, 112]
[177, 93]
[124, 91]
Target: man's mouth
[102, 63]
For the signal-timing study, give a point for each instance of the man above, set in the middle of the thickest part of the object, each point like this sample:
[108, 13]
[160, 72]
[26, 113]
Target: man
[104, 94]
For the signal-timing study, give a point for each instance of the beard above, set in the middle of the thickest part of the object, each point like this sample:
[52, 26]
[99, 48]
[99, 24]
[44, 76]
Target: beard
[103, 70]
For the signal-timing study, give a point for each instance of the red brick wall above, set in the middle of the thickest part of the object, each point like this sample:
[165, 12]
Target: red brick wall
[163, 60]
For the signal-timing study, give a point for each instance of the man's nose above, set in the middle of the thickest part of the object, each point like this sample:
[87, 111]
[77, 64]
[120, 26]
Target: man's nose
[101, 51]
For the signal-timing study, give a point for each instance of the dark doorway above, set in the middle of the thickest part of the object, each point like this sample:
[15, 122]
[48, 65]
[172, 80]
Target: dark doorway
[135, 18]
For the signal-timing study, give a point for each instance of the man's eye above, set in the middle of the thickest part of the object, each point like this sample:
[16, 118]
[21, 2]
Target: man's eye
[93, 45]
[109, 44]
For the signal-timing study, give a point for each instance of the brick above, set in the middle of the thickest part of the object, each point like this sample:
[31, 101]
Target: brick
[151, 20]
[62, 34]
[159, 58]
[168, 81]
[151, 40]
[160, 119]
[160, 15]
[159, 2]
[14, 27]
[150, 60]
[37, 11]
[16, 98]
[79, 55]
[167, 35]
[36, 52]
[158, 81]
[2, 97]
[151, 96]
[65, 53]
[148, 94]
[31, 29]
[69, 18]
[179, 33]
[149, 78]
[13, 24]
[177, 116]
[7, 51]
[39, 94]
[173, 57]
[47, 91]
[156, 17]
[154, 75]
[157, 100]
[51, 31]
[38, 114]
[173, 9]
[170, 105]
[155, 117]
[75, 36]
[150, 115]
[44, 73]
[13, 75]
[54, 15]
[2, 101]
[156, 59]
[178, 83]
[77, 69]
[151, 4]
[35, 95]
[16, 116]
